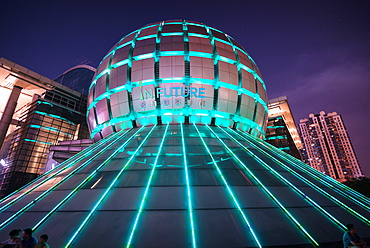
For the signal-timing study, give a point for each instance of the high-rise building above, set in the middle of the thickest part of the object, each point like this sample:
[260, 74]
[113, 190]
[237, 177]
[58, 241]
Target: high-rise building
[42, 113]
[327, 146]
[179, 112]
[281, 129]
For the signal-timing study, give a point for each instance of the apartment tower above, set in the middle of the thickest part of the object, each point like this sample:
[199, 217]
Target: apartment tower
[327, 146]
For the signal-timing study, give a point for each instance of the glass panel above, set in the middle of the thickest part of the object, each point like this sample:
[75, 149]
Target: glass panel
[278, 226]
[134, 178]
[204, 177]
[169, 177]
[163, 229]
[211, 197]
[123, 199]
[101, 179]
[221, 228]
[83, 200]
[156, 196]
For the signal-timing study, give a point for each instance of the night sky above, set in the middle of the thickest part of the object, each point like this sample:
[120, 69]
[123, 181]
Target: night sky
[317, 53]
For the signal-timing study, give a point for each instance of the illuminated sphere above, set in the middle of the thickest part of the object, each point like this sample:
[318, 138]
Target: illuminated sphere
[177, 72]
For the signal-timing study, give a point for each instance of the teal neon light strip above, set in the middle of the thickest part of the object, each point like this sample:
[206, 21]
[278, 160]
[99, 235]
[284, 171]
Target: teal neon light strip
[197, 35]
[146, 37]
[185, 112]
[19, 212]
[171, 53]
[275, 127]
[57, 170]
[46, 103]
[276, 137]
[229, 190]
[317, 188]
[188, 187]
[120, 46]
[88, 178]
[330, 182]
[326, 180]
[70, 242]
[50, 129]
[120, 63]
[195, 24]
[284, 148]
[270, 169]
[107, 94]
[143, 56]
[147, 188]
[173, 34]
[281, 206]
[54, 116]
[36, 141]
[200, 54]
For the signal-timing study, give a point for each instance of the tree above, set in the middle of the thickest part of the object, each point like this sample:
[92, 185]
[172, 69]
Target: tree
[361, 184]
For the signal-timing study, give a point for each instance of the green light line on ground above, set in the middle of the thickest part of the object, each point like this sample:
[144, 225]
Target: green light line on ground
[269, 168]
[326, 180]
[74, 159]
[146, 189]
[90, 176]
[188, 187]
[229, 190]
[285, 211]
[317, 188]
[70, 242]
[53, 187]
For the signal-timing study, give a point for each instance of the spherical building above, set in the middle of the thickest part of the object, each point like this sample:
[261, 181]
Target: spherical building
[178, 109]
[177, 72]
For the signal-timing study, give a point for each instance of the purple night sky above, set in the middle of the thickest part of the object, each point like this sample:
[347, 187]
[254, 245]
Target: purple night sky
[317, 53]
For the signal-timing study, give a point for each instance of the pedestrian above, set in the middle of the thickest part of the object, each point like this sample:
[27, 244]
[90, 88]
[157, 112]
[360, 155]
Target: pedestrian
[351, 238]
[27, 241]
[42, 242]
[12, 241]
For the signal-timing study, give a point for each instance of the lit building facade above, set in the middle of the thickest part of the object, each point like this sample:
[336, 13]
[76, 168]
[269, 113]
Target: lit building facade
[178, 110]
[327, 146]
[281, 129]
[54, 113]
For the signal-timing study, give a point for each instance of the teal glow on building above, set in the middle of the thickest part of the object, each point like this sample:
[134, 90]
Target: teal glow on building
[181, 177]
[177, 72]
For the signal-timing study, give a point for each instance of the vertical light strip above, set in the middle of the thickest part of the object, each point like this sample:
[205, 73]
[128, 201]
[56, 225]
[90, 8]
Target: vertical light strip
[84, 222]
[285, 211]
[146, 189]
[75, 159]
[57, 184]
[229, 190]
[328, 181]
[188, 187]
[88, 178]
[269, 168]
[317, 188]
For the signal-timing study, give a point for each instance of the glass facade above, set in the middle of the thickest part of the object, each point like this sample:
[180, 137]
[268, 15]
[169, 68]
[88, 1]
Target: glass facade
[43, 122]
[185, 186]
[278, 135]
